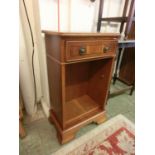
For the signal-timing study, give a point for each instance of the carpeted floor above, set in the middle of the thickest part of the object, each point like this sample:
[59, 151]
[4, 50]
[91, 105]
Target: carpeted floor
[41, 135]
[114, 137]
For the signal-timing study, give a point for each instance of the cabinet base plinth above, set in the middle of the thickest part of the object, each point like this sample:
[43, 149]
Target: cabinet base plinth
[66, 135]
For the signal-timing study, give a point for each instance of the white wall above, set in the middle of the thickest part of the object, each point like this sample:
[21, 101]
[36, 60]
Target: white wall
[79, 15]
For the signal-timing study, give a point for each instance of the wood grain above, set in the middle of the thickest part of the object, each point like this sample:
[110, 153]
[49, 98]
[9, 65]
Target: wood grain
[127, 67]
[54, 78]
[78, 84]
[93, 48]
[99, 80]
[80, 34]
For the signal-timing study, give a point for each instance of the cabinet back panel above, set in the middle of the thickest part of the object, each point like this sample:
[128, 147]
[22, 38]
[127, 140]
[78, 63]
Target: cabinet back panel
[76, 80]
[91, 78]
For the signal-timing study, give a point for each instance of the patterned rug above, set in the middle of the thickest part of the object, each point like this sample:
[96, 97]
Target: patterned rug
[114, 137]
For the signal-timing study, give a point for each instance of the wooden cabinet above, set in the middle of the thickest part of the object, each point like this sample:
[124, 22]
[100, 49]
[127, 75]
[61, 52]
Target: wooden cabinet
[127, 66]
[79, 73]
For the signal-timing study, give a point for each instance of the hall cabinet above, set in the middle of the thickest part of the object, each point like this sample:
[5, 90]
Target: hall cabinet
[79, 73]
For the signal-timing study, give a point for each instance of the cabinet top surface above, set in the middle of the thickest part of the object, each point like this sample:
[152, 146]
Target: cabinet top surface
[80, 34]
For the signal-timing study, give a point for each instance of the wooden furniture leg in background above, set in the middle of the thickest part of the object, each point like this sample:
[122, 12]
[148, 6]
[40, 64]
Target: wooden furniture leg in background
[129, 19]
[132, 89]
[22, 132]
[117, 63]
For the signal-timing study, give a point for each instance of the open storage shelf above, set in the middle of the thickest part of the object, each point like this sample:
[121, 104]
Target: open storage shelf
[85, 89]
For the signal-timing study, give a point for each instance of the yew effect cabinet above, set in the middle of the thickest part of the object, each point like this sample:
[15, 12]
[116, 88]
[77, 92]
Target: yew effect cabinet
[79, 73]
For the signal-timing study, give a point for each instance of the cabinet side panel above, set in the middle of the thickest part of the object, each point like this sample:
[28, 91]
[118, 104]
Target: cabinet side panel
[100, 77]
[54, 78]
[53, 46]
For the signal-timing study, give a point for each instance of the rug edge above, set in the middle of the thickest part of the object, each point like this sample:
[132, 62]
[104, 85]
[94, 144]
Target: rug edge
[91, 133]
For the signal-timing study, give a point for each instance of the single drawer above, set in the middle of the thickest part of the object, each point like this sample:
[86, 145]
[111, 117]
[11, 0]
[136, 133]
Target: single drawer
[77, 50]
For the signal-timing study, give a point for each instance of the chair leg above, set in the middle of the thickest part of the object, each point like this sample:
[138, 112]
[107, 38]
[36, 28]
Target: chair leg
[117, 63]
[114, 78]
[132, 89]
[22, 132]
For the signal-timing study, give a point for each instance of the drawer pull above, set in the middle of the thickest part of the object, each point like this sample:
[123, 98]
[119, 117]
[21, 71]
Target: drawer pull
[82, 51]
[106, 49]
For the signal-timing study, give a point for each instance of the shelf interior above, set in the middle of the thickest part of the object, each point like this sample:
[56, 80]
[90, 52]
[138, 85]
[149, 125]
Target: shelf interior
[80, 106]
[86, 88]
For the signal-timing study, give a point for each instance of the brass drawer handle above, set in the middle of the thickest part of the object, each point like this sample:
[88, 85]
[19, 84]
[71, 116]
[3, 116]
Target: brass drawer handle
[106, 49]
[82, 50]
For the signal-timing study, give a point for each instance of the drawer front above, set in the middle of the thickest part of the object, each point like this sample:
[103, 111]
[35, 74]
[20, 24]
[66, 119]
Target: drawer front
[108, 47]
[76, 50]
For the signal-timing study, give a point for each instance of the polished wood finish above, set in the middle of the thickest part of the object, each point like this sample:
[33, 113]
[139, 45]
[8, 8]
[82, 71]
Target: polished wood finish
[79, 73]
[54, 74]
[65, 135]
[81, 34]
[127, 67]
[96, 48]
